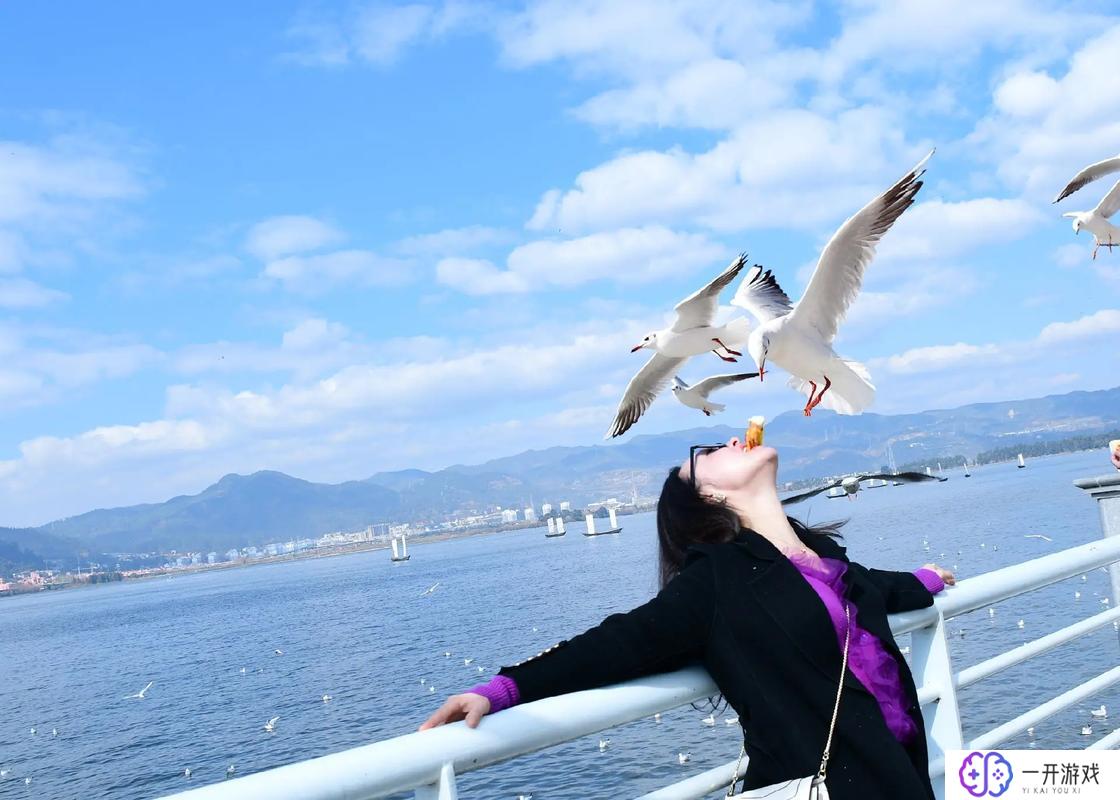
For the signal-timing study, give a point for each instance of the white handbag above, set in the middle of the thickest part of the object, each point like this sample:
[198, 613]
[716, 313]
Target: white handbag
[811, 787]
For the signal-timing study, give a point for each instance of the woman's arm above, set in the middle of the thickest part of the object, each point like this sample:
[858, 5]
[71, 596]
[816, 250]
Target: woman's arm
[906, 591]
[659, 636]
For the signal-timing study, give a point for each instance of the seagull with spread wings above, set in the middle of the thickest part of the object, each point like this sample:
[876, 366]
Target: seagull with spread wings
[1105, 234]
[798, 338]
[850, 484]
[690, 335]
[697, 396]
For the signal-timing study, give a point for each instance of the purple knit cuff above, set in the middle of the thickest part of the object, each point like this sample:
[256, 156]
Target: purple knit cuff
[930, 579]
[501, 692]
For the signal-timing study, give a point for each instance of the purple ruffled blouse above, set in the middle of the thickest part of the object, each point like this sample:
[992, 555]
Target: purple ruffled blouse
[867, 658]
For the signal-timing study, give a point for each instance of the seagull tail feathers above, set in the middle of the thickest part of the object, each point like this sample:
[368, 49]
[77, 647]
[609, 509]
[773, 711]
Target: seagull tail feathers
[738, 330]
[852, 390]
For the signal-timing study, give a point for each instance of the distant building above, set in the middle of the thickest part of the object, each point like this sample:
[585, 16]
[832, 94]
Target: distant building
[211, 558]
[232, 554]
[378, 529]
[566, 505]
[546, 509]
[509, 515]
[530, 515]
[196, 558]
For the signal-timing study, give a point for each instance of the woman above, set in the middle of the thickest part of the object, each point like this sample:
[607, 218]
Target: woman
[756, 598]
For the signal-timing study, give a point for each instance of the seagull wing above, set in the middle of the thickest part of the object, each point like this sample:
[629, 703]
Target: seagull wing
[1088, 175]
[839, 273]
[1110, 203]
[797, 498]
[699, 309]
[677, 382]
[909, 476]
[709, 385]
[760, 294]
[641, 390]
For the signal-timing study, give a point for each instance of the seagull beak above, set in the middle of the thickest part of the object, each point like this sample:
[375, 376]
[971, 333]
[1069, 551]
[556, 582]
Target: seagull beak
[635, 349]
[761, 372]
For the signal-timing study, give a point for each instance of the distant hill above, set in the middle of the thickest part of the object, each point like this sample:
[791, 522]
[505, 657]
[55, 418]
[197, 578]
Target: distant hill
[268, 506]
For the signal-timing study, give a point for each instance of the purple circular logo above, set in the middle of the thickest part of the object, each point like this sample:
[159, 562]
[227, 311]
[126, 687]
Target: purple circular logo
[985, 775]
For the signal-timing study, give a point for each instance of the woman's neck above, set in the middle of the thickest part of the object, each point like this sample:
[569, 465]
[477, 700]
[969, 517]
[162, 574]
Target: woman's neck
[768, 519]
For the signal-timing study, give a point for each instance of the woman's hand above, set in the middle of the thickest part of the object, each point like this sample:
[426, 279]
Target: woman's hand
[472, 707]
[945, 575]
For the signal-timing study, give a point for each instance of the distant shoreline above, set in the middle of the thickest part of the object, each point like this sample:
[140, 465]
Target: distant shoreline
[306, 555]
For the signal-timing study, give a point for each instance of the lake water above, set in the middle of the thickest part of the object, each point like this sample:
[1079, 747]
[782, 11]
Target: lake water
[357, 628]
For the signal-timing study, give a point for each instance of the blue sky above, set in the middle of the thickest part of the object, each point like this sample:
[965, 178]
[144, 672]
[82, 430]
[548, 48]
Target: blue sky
[336, 238]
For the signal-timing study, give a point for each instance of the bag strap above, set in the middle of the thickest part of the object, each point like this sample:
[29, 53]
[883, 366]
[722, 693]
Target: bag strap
[823, 769]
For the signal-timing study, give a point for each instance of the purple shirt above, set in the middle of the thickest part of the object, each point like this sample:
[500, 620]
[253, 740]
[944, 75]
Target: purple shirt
[867, 658]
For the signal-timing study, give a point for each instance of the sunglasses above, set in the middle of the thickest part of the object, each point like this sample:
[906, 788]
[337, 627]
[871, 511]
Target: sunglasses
[696, 451]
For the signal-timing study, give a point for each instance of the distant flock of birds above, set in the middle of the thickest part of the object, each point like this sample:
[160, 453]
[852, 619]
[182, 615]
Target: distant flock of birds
[798, 337]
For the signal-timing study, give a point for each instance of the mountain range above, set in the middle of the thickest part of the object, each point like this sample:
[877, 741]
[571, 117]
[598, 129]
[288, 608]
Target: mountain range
[242, 510]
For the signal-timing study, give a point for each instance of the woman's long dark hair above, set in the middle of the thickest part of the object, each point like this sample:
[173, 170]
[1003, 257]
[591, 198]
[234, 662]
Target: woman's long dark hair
[685, 517]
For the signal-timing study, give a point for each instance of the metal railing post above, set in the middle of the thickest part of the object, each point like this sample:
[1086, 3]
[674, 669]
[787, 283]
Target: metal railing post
[933, 667]
[1105, 489]
[443, 789]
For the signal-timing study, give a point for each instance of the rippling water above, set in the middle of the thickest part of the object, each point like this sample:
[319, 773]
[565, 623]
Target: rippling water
[357, 628]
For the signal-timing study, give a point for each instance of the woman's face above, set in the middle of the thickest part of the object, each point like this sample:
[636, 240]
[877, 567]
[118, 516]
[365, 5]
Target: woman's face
[733, 468]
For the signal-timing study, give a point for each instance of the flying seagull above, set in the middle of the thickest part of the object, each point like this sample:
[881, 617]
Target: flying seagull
[1038, 536]
[697, 396]
[850, 484]
[140, 695]
[270, 726]
[431, 589]
[1088, 175]
[1105, 234]
[798, 338]
[690, 335]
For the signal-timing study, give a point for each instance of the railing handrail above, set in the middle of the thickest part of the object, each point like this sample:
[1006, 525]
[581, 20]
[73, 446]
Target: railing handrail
[417, 759]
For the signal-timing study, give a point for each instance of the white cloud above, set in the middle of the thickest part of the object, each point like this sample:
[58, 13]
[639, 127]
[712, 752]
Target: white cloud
[382, 32]
[937, 229]
[284, 236]
[21, 293]
[1105, 322]
[452, 241]
[317, 273]
[379, 33]
[639, 38]
[42, 364]
[914, 34]
[1052, 339]
[625, 256]
[716, 93]
[1045, 127]
[61, 182]
[760, 176]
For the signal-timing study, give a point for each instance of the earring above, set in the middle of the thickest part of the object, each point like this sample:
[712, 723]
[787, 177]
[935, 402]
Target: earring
[719, 498]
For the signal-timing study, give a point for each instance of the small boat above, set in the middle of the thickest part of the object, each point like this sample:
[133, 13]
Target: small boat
[1086, 730]
[555, 527]
[401, 553]
[590, 520]
[1022, 461]
[874, 483]
[967, 474]
[837, 491]
[1099, 713]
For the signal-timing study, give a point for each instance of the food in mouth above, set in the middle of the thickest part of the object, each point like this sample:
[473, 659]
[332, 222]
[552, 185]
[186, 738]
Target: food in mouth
[753, 437]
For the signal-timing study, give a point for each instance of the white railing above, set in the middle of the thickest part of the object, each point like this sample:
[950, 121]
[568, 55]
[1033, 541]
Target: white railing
[428, 762]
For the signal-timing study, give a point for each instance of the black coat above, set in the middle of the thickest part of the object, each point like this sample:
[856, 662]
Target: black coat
[744, 612]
